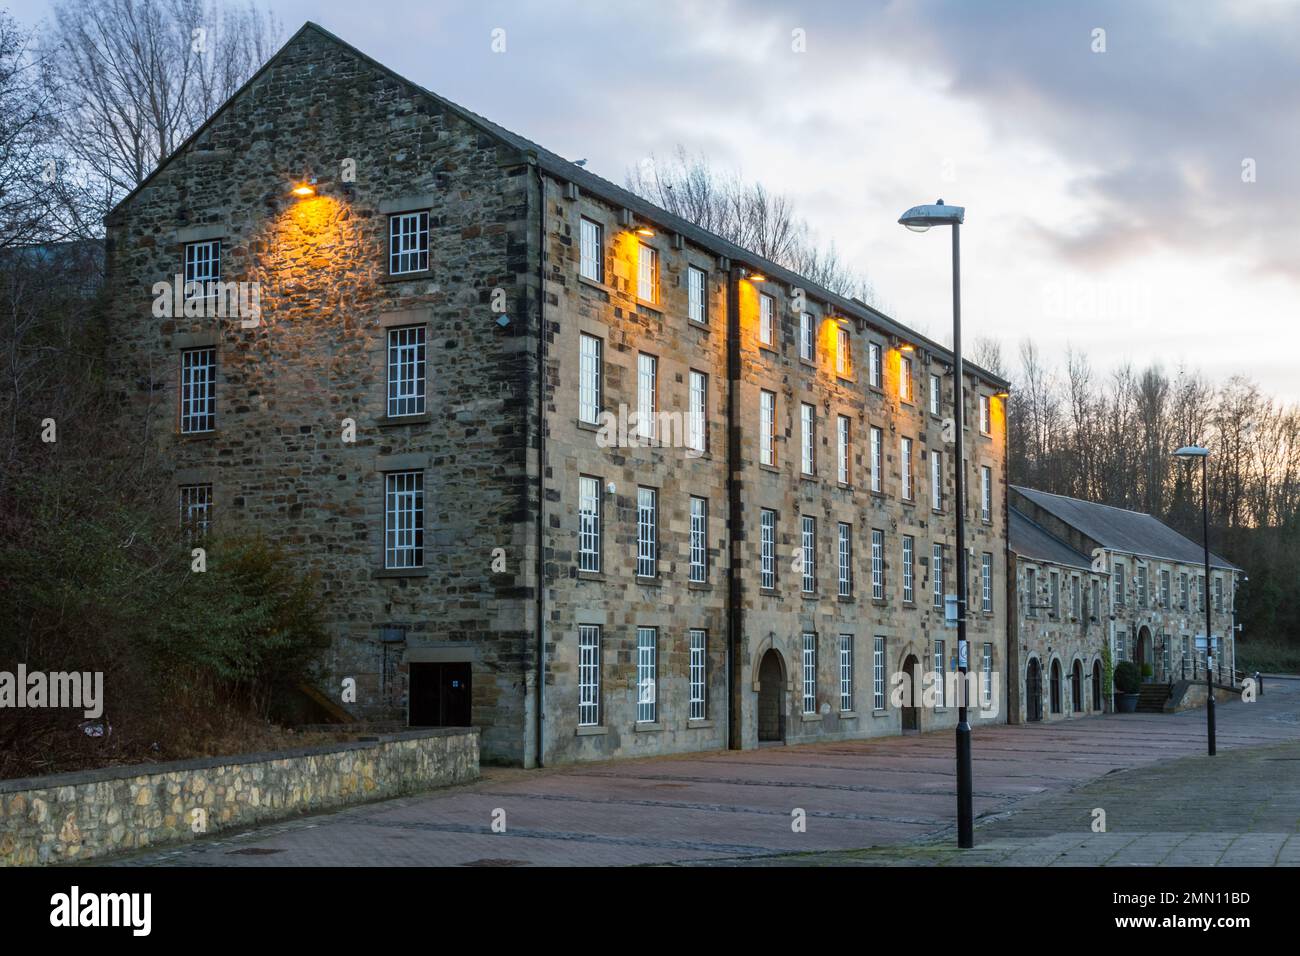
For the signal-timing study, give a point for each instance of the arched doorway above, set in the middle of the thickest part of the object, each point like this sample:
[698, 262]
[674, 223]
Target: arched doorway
[1054, 687]
[1076, 687]
[771, 697]
[1096, 687]
[912, 692]
[1143, 653]
[1033, 691]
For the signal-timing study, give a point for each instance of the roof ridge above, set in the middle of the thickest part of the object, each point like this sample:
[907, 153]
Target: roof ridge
[1055, 537]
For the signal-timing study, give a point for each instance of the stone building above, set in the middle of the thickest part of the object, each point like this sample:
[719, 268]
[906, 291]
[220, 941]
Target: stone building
[1088, 576]
[567, 467]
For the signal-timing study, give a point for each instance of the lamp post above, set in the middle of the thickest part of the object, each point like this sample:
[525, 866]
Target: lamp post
[919, 219]
[1189, 454]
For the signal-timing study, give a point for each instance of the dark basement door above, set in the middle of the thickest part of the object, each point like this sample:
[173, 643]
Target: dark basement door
[440, 695]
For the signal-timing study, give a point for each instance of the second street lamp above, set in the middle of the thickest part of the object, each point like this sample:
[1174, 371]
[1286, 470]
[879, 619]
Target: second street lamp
[1189, 454]
[920, 219]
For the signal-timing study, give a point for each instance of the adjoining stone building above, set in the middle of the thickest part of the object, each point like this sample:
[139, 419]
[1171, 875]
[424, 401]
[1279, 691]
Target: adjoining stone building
[1089, 576]
[567, 467]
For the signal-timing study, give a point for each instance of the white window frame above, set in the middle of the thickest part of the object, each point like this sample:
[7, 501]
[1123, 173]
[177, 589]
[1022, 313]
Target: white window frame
[647, 675]
[408, 242]
[403, 519]
[877, 564]
[808, 438]
[936, 574]
[986, 493]
[807, 338]
[589, 515]
[198, 381]
[808, 531]
[202, 269]
[699, 644]
[986, 581]
[845, 559]
[905, 466]
[647, 532]
[591, 351]
[986, 416]
[697, 438]
[697, 306]
[843, 352]
[940, 674]
[1031, 592]
[842, 438]
[905, 378]
[647, 273]
[809, 660]
[767, 427]
[647, 397]
[909, 569]
[766, 313]
[936, 480]
[591, 255]
[846, 673]
[589, 675]
[878, 673]
[407, 370]
[873, 364]
[934, 394]
[767, 549]
[987, 690]
[877, 458]
[699, 563]
[195, 508]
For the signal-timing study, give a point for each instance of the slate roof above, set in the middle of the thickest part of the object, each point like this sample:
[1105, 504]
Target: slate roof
[1133, 532]
[562, 168]
[1031, 540]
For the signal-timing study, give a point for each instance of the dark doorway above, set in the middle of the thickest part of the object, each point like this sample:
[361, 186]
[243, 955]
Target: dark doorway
[1076, 687]
[1054, 687]
[440, 695]
[1143, 648]
[1096, 686]
[771, 698]
[1034, 691]
[912, 691]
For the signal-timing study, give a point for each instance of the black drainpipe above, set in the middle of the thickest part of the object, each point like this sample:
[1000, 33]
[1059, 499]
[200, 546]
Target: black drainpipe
[735, 517]
[540, 742]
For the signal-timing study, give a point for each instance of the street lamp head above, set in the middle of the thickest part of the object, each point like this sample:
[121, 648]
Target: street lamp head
[1188, 452]
[921, 218]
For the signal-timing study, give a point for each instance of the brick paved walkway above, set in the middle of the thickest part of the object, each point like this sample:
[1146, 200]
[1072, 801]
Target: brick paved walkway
[735, 807]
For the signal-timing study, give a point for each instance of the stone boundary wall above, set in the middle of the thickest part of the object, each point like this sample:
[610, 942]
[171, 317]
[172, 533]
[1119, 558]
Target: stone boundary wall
[78, 816]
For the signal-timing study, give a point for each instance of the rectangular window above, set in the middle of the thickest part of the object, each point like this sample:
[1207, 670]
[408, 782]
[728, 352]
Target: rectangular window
[809, 554]
[765, 319]
[699, 658]
[940, 671]
[986, 580]
[767, 549]
[647, 277]
[987, 690]
[936, 480]
[1031, 593]
[1183, 591]
[592, 241]
[936, 573]
[699, 540]
[986, 493]
[846, 673]
[406, 359]
[1054, 593]
[877, 456]
[588, 524]
[697, 308]
[905, 378]
[1142, 585]
[809, 673]
[909, 569]
[1200, 592]
[846, 559]
[590, 374]
[408, 242]
[878, 674]
[647, 676]
[1165, 600]
[843, 353]
[877, 564]
[1075, 597]
[404, 519]
[646, 395]
[1095, 609]
[935, 397]
[873, 364]
[807, 343]
[986, 420]
[588, 674]
[905, 464]
[647, 532]
[196, 510]
[842, 447]
[198, 390]
[807, 426]
[698, 431]
[767, 427]
[1119, 595]
[1218, 594]
[202, 266]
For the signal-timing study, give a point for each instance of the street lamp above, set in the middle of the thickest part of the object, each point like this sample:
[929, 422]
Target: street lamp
[920, 219]
[1189, 454]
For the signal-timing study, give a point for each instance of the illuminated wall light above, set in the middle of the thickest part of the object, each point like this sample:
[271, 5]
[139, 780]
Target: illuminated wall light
[644, 231]
[305, 189]
[907, 348]
[756, 277]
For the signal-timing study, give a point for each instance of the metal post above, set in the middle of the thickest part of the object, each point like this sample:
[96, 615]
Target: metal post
[1209, 614]
[965, 827]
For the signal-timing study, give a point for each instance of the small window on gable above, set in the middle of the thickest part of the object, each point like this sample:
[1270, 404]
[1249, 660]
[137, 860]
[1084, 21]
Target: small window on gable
[592, 250]
[408, 242]
[697, 309]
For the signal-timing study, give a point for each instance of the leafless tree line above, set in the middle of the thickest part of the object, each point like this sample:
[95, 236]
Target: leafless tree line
[747, 214]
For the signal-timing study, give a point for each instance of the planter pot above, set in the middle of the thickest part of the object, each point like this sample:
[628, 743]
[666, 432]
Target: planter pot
[1126, 703]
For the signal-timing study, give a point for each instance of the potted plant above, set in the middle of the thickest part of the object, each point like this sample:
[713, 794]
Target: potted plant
[1148, 673]
[1126, 687]
[1107, 675]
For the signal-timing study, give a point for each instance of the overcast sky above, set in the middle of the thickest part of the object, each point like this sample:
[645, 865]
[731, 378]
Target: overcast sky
[1108, 198]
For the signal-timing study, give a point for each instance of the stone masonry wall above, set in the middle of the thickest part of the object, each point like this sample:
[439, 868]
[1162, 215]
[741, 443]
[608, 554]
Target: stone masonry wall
[277, 460]
[80, 816]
